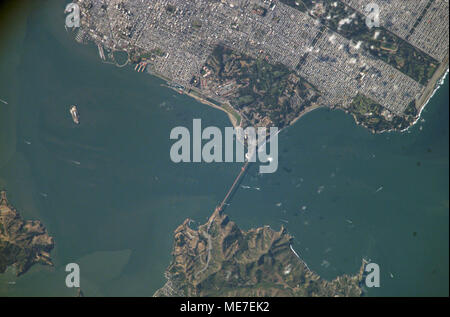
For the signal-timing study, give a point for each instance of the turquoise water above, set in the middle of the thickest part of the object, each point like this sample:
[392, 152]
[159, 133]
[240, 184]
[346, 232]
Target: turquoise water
[109, 194]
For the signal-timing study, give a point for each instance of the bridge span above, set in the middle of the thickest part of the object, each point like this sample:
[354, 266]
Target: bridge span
[222, 205]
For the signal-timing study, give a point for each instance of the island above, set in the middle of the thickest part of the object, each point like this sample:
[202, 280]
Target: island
[268, 62]
[22, 242]
[219, 259]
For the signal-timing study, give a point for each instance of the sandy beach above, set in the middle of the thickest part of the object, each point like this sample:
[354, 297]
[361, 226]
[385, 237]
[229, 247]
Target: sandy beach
[431, 87]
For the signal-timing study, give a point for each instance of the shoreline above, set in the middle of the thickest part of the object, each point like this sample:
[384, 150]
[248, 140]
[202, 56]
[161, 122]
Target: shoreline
[438, 85]
[432, 87]
[435, 83]
[304, 112]
[200, 98]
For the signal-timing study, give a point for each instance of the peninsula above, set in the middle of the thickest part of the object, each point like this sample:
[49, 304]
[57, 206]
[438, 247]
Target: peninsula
[22, 242]
[219, 259]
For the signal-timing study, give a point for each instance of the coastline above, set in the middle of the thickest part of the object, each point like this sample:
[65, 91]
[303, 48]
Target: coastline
[438, 85]
[200, 98]
[196, 262]
[433, 84]
[432, 87]
[304, 112]
[23, 243]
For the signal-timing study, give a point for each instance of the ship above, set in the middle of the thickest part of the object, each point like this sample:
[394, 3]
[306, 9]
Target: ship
[74, 113]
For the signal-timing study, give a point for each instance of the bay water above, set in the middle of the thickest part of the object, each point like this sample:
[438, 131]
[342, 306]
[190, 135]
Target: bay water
[111, 197]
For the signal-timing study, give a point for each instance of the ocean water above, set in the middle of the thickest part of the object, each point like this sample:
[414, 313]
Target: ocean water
[110, 196]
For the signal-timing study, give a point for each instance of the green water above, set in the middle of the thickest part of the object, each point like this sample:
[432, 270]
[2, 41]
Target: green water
[115, 210]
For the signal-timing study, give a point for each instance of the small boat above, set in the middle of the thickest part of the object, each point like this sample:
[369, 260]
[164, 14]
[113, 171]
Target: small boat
[75, 162]
[74, 113]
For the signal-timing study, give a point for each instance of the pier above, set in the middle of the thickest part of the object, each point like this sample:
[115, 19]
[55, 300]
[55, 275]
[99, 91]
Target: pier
[140, 67]
[101, 52]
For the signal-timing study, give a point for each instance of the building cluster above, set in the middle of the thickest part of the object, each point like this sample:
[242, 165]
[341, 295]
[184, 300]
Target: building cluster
[186, 33]
[342, 69]
[431, 34]
[423, 23]
[398, 16]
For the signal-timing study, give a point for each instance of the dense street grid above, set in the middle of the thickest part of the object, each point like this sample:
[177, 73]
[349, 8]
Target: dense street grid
[180, 36]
